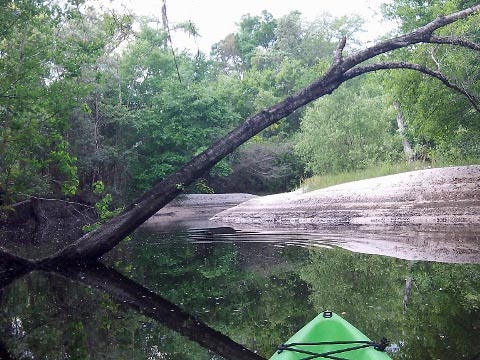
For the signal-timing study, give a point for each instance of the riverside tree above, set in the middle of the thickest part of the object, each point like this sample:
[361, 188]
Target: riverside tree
[442, 126]
[96, 243]
[343, 68]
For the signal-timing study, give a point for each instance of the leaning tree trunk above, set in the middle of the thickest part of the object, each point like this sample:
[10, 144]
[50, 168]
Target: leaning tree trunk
[96, 243]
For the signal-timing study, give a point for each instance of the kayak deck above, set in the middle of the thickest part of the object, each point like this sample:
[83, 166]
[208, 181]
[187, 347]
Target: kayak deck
[329, 336]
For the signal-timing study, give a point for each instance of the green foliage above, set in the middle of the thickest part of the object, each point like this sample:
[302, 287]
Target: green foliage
[349, 130]
[264, 42]
[202, 187]
[65, 164]
[171, 121]
[441, 123]
[74, 111]
[102, 206]
[46, 50]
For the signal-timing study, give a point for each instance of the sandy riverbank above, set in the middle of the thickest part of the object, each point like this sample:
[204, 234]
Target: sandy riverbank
[431, 198]
[431, 215]
[194, 210]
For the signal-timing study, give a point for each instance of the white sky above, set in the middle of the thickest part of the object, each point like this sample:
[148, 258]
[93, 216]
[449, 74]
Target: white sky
[215, 19]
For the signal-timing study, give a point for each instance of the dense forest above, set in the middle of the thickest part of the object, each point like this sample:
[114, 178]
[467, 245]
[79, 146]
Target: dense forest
[101, 101]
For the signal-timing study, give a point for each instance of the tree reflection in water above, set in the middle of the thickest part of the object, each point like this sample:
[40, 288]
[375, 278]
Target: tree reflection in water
[256, 293]
[128, 292]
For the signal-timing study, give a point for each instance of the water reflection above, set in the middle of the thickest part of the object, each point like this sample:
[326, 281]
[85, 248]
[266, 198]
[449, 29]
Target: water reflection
[127, 292]
[252, 286]
[4, 354]
[452, 245]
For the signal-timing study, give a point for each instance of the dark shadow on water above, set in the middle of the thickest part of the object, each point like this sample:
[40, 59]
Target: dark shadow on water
[4, 354]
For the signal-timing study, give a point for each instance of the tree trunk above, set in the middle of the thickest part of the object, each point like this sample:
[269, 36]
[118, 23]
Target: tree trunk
[96, 243]
[407, 148]
[406, 294]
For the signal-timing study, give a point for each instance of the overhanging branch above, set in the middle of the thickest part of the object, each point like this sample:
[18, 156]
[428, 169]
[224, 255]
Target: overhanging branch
[454, 40]
[93, 245]
[339, 50]
[423, 34]
[417, 67]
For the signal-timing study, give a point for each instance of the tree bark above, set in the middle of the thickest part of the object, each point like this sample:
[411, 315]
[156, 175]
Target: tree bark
[96, 243]
[407, 293]
[407, 148]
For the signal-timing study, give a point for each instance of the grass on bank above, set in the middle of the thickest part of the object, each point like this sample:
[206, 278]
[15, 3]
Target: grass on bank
[323, 181]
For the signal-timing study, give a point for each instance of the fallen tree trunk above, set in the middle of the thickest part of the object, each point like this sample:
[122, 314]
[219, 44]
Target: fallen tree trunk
[96, 243]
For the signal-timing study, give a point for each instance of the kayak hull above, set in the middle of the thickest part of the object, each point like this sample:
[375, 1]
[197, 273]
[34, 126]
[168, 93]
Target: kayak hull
[329, 328]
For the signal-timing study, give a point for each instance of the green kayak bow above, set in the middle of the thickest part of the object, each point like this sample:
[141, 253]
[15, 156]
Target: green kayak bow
[329, 336]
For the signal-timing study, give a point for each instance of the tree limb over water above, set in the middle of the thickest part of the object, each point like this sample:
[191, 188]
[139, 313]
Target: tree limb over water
[96, 243]
[360, 70]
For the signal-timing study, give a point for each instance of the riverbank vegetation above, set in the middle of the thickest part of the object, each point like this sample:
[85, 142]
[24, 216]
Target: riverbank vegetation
[322, 181]
[91, 95]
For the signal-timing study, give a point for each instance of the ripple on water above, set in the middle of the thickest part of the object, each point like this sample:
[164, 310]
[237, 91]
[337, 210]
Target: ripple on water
[456, 245]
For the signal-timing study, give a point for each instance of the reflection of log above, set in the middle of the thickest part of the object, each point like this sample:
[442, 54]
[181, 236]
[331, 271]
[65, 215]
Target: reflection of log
[129, 292]
[11, 261]
[126, 291]
[12, 267]
[406, 293]
[4, 354]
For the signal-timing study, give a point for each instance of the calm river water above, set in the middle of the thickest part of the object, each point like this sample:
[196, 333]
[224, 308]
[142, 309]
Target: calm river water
[258, 288]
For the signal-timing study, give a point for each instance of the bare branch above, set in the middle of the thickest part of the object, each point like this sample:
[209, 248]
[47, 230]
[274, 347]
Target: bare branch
[417, 67]
[339, 50]
[423, 34]
[454, 40]
[166, 27]
[57, 200]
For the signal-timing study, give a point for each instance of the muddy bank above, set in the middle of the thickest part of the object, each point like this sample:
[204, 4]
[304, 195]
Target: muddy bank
[37, 227]
[431, 198]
